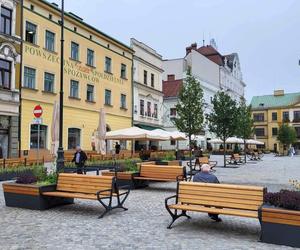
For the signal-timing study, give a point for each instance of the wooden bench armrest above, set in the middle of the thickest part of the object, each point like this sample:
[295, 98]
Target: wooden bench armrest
[105, 197]
[169, 198]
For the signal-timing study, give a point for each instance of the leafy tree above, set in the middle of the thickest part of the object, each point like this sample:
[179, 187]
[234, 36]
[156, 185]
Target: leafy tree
[222, 121]
[189, 109]
[287, 135]
[245, 122]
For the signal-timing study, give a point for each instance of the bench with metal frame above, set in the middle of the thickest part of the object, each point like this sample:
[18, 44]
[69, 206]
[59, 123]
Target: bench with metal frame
[200, 161]
[161, 173]
[101, 188]
[227, 199]
[234, 159]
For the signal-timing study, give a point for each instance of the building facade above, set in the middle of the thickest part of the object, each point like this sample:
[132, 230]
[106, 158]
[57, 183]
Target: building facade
[10, 59]
[270, 112]
[148, 95]
[97, 73]
[214, 72]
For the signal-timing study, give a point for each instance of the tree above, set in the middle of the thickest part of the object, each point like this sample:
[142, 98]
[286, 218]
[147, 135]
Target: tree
[189, 109]
[222, 121]
[245, 122]
[287, 135]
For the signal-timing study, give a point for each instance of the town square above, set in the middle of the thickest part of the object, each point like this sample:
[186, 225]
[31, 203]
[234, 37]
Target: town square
[149, 125]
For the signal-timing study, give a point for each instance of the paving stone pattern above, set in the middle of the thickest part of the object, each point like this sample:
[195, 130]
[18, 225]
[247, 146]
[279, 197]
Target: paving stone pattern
[143, 226]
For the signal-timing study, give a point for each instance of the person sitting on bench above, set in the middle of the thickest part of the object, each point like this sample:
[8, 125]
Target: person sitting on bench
[206, 176]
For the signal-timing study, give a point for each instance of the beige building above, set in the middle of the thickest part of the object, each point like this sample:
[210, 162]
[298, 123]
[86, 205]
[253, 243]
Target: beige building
[270, 112]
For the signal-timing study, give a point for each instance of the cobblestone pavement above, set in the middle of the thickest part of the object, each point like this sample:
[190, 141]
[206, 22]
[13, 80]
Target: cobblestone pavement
[143, 226]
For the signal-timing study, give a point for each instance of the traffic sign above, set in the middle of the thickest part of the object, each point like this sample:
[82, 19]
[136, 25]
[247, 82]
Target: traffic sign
[37, 121]
[37, 111]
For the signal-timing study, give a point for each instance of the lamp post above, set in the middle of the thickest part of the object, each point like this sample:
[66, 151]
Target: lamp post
[60, 151]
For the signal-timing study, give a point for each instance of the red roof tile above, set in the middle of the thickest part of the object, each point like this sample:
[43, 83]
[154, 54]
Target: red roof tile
[212, 54]
[172, 88]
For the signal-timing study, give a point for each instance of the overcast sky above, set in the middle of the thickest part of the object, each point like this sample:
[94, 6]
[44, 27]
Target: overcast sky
[265, 34]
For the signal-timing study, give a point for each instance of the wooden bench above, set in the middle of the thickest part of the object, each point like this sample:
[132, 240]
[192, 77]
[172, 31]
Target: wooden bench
[161, 173]
[89, 187]
[235, 200]
[234, 159]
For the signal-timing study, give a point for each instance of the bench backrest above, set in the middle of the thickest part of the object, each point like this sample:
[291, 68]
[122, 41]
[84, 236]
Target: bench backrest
[221, 195]
[163, 172]
[88, 184]
[204, 160]
[236, 156]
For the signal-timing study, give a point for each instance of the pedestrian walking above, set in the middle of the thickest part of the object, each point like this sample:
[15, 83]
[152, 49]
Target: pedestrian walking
[117, 148]
[79, 158]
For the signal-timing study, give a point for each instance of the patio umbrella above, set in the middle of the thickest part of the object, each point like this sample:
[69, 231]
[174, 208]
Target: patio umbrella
[55, 129]
[254, 142]
[135, 133]
[101, 133]
[234, 140]
[215, 141]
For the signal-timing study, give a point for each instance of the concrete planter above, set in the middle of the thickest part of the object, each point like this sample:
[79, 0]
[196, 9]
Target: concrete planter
[280, 226]
[126, 178]
[30, 196]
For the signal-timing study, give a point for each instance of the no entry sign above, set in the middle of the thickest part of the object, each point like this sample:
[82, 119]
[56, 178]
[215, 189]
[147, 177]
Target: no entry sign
[37, 111]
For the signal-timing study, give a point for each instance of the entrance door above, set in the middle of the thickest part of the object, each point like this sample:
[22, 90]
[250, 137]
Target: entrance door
[3, 143]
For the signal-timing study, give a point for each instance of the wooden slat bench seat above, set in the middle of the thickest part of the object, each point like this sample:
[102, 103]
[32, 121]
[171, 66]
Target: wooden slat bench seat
[227, 199]
[99, 188]
[161, 173]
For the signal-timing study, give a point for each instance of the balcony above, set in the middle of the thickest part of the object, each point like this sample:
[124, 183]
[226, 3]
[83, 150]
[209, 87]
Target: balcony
[296, 120]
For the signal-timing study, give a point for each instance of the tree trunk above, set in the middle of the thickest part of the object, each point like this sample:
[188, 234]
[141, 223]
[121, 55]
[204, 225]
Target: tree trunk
[245, 150]
[190, 144]
[224, 144]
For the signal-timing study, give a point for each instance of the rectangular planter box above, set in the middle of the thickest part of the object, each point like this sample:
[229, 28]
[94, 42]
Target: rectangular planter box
[30, 196]
[126, 178]
[280, 226]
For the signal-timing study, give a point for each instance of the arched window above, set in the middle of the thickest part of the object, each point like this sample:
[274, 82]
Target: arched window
[73, 137]
[38, 136]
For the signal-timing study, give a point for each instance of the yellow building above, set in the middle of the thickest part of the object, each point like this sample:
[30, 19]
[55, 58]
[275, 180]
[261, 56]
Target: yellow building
[97, 73]
[270, 111]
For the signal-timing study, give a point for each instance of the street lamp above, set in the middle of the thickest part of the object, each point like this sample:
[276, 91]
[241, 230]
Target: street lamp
[60, 151]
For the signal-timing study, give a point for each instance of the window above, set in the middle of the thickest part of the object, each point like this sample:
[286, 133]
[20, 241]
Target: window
[74, 87]
[123, 101]
[172, 112]
[73, 138]
[259, 117]
[297, 116]
[274, 116]
[49, 82]
[50, 40]
[50, 16]
[107, 64]
[90, 57]
[171, 77]
[274, 131]
[285, 116]
[5, 73]
[38, 137]
[297, 132]
[30, 33]
[6, 17]
[142, 107]
[145, 77]
[155, 110]
[90, 93]
[74, 51]
[149, 108]
[123, 71]
[29, 77]
[259, 131]
[172, 142]
[152, 80]
[107, 97]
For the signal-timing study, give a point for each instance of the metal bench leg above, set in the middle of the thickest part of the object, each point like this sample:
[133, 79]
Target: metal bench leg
[175, 216]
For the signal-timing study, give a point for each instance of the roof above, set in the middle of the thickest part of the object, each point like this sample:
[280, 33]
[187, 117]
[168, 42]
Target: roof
[172, 88]
[212, 54]
[271, 101]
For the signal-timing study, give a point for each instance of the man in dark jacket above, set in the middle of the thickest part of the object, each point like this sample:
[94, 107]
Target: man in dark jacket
[206, 176]
[79, 159]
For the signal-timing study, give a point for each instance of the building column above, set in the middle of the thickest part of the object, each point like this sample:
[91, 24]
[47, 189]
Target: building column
[14, 132]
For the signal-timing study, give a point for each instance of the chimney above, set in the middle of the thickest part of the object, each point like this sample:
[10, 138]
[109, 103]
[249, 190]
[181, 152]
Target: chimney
[279, 92]
[190, 48]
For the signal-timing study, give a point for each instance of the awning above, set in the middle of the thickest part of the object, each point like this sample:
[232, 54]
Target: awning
[147, 127]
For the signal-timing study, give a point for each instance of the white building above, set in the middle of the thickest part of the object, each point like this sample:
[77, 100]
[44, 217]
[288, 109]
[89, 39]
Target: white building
[214, 72]
[10, 58]
[147, 82]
